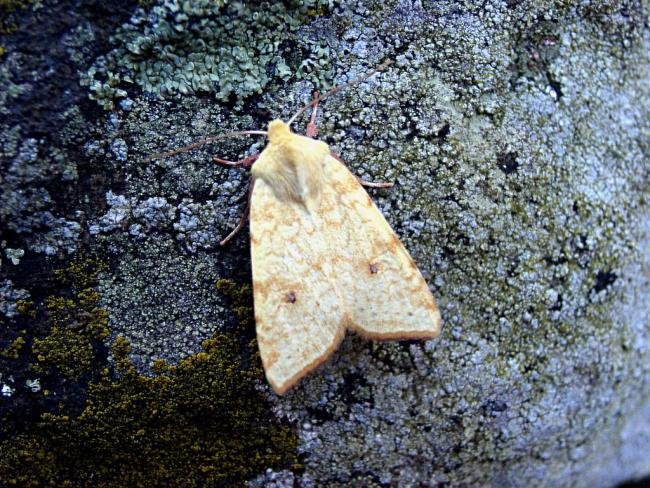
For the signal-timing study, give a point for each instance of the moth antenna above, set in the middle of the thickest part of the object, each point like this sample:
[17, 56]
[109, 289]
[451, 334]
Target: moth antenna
[203, 142]
[340, 87]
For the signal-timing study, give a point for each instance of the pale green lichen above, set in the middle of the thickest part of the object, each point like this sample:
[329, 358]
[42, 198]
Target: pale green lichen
[221, 47]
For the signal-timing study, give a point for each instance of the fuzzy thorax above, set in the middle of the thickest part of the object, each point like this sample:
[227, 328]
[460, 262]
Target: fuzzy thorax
[278, 131]
[292, 165]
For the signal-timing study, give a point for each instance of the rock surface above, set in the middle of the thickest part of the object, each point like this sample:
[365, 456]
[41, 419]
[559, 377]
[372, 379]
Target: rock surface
[518, 136]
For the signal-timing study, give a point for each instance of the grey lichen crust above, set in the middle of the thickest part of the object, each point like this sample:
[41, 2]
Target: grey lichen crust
[226, 48]
[518, 136]
[164, 302]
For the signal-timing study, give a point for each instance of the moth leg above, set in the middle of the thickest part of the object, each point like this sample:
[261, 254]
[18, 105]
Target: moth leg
[312, 130]
[375, 184]
[244, 217]
[246, 162]
[369, 184]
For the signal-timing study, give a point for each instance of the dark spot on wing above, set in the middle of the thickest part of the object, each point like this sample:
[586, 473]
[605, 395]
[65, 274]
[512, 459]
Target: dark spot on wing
[373, 268]
[290, 297]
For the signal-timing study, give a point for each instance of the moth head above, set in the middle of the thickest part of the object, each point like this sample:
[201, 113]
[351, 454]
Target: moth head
[277, 130]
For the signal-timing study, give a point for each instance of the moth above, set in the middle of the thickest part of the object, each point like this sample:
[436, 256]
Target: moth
[324, 259]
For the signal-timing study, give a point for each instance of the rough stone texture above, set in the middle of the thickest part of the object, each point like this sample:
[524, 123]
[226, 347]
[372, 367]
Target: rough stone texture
[518, 135]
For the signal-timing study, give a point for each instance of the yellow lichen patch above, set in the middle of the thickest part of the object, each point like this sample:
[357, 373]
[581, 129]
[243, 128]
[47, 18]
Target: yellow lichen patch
[61, 310]
[26, 308]
[13, 349]
[77, 322]
[201, 423]
[96, 318]
[241, 300]
[81, 273]
[69, 352]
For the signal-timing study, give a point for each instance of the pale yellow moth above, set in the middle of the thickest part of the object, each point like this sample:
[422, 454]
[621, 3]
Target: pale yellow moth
[324, 259]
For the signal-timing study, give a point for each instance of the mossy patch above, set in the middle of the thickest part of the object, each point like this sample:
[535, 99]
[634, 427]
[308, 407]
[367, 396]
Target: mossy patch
[241, 300]
[78, 324]
[200, 423]
[26, 308]
[13, 349]
[69, 352]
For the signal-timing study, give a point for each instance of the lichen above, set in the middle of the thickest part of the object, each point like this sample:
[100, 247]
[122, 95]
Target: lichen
[7, 10]
[161, 301]
[219, 47]
[77, 324]
[13, 349]
[241, 298]
[200, 423]
[516, 134]
[27, 206]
